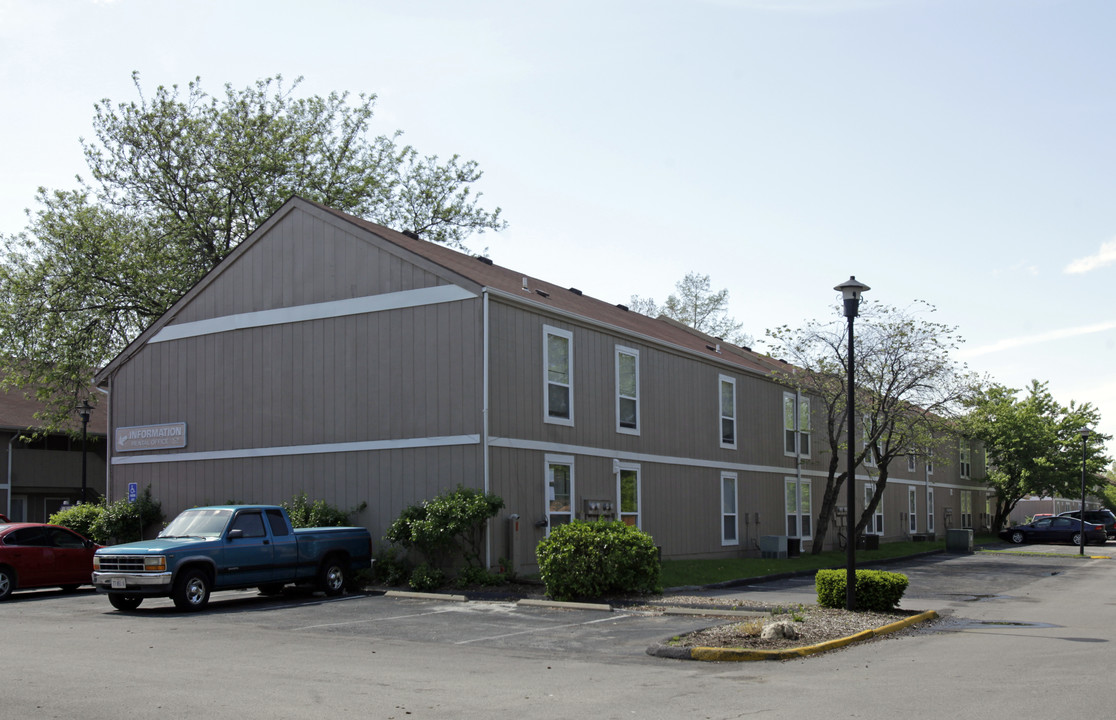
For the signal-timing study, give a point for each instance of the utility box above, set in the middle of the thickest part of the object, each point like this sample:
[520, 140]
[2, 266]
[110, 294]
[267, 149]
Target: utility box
[598, 510]
[959, 540]
[794, 547]
[773, 546]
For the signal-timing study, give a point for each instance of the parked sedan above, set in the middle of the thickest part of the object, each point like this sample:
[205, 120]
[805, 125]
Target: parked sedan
[1055, 529]
[38, 555]
[1097, 517]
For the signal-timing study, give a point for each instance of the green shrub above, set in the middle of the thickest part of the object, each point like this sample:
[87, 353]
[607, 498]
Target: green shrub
[426, 578]
[876, 590]
[79, 518]
[593, 559]
[452, 524]
[305, 514]
[118, 522]
[391, 567]
[471, 576]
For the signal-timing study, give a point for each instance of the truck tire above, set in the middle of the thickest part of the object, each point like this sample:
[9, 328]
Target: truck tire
[125, 603]
[334, 576]
[191, 590]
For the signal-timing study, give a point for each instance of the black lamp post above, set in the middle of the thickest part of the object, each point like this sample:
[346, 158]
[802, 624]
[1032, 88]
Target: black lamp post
[1085, 433]
[84, 410]
[851, 291]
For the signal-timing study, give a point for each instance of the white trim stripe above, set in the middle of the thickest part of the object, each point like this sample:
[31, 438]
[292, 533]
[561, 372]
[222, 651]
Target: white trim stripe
[286, 450]
[317, 311]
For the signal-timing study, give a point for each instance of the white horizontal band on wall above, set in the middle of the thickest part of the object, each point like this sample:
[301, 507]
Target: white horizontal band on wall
[316, 311]
[286, 450]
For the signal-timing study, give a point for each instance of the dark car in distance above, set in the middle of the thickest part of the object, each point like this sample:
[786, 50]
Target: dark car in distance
[1054, 530]
[1097, 517]
[34, 555]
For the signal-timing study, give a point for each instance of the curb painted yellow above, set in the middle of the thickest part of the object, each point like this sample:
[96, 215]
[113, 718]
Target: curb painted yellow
[745, 655]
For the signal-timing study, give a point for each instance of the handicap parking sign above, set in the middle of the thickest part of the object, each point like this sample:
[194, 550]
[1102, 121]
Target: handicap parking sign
[133, 491]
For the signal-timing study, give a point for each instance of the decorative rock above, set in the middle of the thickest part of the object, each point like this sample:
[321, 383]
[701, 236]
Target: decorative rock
[781, 629]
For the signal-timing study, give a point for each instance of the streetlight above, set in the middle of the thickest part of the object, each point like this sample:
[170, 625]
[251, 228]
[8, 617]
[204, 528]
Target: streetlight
[851, 291]
[84, 410]
[1085, 433]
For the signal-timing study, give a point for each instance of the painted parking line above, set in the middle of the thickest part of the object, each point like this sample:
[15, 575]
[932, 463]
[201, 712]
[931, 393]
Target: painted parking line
[548, 628]
[374, 620]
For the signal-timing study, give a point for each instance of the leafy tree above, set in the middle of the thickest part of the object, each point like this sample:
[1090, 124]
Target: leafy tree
[909, 392]
[450, 524]
[1034, 445]
[178, 179]
[695, 304]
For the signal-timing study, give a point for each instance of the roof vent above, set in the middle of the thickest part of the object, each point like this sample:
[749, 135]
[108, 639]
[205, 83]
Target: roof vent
[411, 234]
[525, 288]
[714, 348]
[485, 260]
[783, 361]
[544, 293]
[575, 291]
[622, 307]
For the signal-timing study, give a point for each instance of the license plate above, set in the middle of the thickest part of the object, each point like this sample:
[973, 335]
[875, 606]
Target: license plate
[118, 583]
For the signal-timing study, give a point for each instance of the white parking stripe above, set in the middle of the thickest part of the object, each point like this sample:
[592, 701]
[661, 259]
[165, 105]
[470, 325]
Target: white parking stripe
[543, 629]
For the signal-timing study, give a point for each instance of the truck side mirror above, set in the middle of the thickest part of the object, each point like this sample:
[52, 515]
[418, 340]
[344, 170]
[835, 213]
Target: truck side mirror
[236, 534]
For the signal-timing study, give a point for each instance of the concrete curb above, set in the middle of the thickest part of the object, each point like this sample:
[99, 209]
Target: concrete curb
[425, 596]
[746, 655]
[566, 605]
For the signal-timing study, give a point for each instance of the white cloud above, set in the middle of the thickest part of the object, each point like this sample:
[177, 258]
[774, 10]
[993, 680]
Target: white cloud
[1106, 256]
[1012, 343]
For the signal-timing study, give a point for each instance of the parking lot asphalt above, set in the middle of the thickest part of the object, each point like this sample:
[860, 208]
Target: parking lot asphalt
[303, 655]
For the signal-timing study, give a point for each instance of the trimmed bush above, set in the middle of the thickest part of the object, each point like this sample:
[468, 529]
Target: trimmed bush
[593, 559]
[452, 524]
[305, 514]
[118, 522]
[876, 590]
[426, 578]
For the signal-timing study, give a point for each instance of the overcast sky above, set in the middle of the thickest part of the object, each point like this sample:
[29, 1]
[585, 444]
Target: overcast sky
[954, 151]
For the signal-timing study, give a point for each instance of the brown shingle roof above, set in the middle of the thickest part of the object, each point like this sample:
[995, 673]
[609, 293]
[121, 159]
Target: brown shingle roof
[17, 412]
[568, 300]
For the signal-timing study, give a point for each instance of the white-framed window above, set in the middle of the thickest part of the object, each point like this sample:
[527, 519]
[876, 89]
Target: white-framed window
[912, 509]
[558, 398]
[798, 508]
[796, 425]
[627, 390]
[966, 460]
[559, 490]
[929, 509]
[730, 511]
[628, 493]
[876, 524]
[929, 463]
[966, 508]
[866, 435]
[912, 463]
[727, 387]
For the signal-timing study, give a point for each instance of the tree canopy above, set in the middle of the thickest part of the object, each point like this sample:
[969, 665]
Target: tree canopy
[1033, 445]
[178, 179]
[695, 304]
[908, 389]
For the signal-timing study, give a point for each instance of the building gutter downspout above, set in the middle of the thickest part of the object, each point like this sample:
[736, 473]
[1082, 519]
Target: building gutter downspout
[485, 459]
[8, 511]
[108, 438]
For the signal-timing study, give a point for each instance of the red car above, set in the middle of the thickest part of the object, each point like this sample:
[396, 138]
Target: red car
[38, 555]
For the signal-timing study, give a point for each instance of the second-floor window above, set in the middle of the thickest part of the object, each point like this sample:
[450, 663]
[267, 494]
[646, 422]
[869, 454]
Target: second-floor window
[728, 412]
[558, 366]
[966, 460]
[796, 425]
[627, 390]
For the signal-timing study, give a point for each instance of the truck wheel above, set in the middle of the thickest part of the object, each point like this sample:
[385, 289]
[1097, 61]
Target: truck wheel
[332, 578]
[7, 582]
[191, 592]
[125, 603]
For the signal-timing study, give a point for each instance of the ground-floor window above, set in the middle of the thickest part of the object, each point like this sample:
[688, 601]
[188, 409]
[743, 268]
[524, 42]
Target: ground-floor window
[628, 492]
[966, 508]
[929, 509]
[876, 524]
[730, 529]
[19, 508]
[559, 490]
[798, 508]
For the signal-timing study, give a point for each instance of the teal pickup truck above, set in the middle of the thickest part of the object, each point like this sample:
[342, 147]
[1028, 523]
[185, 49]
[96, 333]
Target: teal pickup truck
[230, 547]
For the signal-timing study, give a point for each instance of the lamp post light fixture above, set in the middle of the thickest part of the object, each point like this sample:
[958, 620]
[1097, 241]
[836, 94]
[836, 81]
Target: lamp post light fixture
[84, 410]
[1085, 433]
[851, 291]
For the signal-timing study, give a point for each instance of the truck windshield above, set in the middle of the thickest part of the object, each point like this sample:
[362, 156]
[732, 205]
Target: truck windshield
[203, 522]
